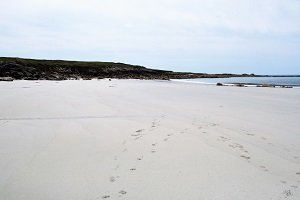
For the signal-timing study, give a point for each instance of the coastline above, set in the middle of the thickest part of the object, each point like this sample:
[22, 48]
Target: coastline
[145, 139]
[33, 69]
[275, 82]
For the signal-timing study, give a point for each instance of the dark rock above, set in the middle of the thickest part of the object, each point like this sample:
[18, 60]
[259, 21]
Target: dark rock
[265, 85]
[240, 85]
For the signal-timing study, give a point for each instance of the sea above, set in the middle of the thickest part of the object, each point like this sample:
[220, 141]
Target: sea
[251, 81]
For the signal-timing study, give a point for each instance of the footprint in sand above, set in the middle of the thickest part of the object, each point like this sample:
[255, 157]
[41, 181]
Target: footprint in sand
[237, 145]
[105, 197]
[138, 134]
[250, 134]
[223, 139]
[246, 157]
[113, 178]
[168, 137]
[287, 193]
[132, 169]
[283, 182]
[138, 137]
[155, 123]
[153, 151]
[122, 192]
[213, 124]
[139, 158]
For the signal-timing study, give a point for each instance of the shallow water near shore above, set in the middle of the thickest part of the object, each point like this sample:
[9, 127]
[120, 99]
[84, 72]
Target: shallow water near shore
[282, 81]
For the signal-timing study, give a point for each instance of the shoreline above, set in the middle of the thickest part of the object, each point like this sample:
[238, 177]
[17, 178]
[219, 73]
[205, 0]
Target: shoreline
[219, 82]
[9, 79]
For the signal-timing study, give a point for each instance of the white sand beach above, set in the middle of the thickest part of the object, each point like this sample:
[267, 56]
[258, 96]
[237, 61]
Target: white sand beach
[147, 140]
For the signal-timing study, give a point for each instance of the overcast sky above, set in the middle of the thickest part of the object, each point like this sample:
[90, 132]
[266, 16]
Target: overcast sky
[213, 36]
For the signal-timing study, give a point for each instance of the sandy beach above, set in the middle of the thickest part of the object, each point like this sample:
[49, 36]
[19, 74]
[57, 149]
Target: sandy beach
[147, 140]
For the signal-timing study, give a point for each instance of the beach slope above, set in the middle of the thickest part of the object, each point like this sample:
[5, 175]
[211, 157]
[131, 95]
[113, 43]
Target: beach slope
[133, 139]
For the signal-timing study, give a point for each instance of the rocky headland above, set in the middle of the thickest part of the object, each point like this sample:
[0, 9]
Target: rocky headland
[31, 69]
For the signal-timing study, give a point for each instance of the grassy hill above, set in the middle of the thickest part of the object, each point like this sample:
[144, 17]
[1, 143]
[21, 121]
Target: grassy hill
[31, 69]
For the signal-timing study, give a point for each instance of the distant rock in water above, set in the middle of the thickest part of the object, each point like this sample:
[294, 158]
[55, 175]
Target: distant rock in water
[30, 69]
[265, 85]
[240, 85]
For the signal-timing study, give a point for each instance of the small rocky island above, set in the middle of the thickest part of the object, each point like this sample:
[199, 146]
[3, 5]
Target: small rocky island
[31, 69]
